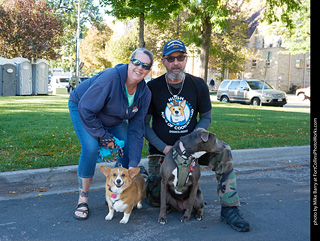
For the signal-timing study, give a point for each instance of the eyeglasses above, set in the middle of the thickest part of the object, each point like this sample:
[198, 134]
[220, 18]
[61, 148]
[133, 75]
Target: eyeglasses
[137, 62]
[171, 59]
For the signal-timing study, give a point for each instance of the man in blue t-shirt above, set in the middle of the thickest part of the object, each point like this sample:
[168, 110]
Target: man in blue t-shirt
[177, 100]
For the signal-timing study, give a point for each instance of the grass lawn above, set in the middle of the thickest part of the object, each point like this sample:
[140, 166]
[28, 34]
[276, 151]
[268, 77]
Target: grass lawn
[36, 131]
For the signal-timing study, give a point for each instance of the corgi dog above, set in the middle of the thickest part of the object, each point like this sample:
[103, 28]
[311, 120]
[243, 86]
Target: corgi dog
[177, 111]
[124, 189]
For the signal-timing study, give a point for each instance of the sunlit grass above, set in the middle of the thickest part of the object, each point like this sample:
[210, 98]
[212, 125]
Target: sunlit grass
[243, 126]
[36, 131]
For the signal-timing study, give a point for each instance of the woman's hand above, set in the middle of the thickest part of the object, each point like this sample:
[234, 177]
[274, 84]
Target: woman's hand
[110, 145]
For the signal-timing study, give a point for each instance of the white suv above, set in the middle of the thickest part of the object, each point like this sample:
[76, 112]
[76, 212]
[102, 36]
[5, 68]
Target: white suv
[250, 91]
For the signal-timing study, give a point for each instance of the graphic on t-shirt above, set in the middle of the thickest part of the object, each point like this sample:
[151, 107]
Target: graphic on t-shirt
[178, 112]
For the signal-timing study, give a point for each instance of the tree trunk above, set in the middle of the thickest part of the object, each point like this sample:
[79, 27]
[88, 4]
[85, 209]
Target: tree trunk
[205, 46]
[141, 32]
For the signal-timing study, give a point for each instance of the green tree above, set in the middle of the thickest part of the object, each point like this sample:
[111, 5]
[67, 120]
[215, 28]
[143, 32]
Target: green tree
[229, 48]
[205, 17]
[67, 10]
[92, 50]
[119, 49]
[293, 26]
[151, 10]
[156, 36]
[281, 10]
[30, 29]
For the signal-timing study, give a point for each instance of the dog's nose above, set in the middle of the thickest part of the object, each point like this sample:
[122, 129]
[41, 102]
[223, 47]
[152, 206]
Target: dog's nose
[176, 112]
[118, 181]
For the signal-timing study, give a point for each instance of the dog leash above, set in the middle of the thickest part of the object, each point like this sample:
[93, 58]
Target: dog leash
[118, 153]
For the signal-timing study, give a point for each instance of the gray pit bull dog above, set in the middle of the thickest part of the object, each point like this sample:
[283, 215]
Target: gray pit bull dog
[187, 197]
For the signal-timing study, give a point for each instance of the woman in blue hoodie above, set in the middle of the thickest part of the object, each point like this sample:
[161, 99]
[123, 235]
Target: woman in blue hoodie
[113, 103]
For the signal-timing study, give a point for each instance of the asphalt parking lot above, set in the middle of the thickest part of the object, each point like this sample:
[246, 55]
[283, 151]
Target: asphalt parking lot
[273, 185]
[292, 101]
[276, 202]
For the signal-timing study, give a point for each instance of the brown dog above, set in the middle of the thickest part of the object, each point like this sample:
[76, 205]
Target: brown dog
[124, 189]
[187, 197]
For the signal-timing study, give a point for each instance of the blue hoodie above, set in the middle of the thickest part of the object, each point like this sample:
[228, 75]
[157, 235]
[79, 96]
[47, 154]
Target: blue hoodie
[103, 104]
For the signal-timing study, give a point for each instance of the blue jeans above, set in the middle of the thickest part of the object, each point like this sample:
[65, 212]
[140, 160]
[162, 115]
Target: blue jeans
[90, 146]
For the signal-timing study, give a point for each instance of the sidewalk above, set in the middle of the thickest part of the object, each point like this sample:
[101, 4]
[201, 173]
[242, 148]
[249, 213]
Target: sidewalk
[46, 181]
[274, 192]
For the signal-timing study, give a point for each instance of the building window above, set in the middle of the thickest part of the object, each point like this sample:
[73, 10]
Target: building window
[298, 63]
[308, 64]
[254, 63]
[267, 63]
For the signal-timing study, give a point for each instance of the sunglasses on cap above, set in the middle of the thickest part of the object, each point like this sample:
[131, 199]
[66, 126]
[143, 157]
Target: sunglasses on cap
[171, 59]
[137, 62]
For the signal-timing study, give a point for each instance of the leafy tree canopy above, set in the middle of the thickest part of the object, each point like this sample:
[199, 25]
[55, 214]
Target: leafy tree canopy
[92, 50]
[292, 24]
[29, 29]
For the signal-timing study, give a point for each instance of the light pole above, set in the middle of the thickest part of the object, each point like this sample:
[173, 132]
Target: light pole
[78, 46]
[265, 75]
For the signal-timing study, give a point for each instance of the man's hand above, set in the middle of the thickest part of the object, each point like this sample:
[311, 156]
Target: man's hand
[167, 149]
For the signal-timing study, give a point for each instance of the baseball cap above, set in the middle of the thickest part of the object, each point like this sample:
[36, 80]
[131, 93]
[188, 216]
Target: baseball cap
[173, 46]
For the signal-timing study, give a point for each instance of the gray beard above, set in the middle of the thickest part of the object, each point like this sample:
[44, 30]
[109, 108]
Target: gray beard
[173, 76]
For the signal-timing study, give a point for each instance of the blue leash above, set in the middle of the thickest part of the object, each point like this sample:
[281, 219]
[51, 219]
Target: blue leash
[116, 152]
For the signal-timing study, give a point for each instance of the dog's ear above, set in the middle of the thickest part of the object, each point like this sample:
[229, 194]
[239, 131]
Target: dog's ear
[183, 104]
[134, 172]
[204, 136]
[105, 170]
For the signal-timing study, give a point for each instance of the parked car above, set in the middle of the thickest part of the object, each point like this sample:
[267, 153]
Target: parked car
[72, 84]
[250, 91]
[303, 93]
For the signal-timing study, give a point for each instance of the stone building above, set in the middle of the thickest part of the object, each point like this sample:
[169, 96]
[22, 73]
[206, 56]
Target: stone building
[281, 70]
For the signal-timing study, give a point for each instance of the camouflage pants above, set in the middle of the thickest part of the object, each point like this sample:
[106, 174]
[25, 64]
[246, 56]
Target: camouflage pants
[221, 163]
[153, 181]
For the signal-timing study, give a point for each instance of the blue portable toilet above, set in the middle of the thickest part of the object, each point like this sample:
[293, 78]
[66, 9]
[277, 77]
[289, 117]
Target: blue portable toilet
[8, 77]
[40, 77]
[24, 76]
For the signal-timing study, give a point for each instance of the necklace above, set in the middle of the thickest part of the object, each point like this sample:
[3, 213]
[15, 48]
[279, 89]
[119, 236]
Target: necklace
[169, 87]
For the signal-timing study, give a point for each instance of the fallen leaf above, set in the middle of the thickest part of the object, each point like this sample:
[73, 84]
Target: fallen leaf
[42, 189]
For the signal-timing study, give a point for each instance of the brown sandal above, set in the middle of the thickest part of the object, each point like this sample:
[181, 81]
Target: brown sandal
[82, 205]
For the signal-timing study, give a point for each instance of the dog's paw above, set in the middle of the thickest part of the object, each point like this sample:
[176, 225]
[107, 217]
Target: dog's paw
[108, 217]
[139, 205]
[162, 220]
[125, 218]
[184, 219]
[199, 217]
[124, 221]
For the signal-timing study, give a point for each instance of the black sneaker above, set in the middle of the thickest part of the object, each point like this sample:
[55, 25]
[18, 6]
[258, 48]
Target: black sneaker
[233, 217]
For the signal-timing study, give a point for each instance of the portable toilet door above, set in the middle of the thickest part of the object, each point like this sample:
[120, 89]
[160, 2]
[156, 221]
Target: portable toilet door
[40, 77]
[24, 76]
[8, 77]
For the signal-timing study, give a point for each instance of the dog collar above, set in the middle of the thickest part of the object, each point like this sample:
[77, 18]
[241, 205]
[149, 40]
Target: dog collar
[113, 195]
[185, 153]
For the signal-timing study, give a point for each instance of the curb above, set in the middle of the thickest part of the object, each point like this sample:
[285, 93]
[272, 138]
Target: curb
[19, 184]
